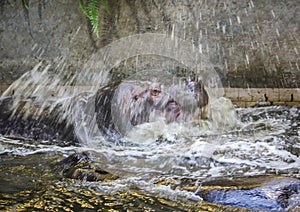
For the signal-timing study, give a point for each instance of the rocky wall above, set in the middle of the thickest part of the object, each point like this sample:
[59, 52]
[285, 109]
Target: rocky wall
[250, 43]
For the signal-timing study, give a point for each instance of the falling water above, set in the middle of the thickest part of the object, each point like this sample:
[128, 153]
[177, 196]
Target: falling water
[154, 159]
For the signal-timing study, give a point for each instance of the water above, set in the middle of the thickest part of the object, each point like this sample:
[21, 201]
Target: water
[265, 140]
[159, 167]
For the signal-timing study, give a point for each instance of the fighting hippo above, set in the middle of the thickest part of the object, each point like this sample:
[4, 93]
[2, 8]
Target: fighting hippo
[118, 108]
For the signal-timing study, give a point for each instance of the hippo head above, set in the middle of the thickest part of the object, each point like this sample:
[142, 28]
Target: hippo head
[131, 103]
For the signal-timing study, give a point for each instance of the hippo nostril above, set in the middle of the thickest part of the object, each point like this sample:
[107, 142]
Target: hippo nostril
[170, 105]
[135, 97]
[171, 102]
[172, 111]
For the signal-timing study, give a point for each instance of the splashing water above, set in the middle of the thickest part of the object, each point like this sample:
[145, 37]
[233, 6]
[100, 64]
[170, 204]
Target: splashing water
[262, 141]
[216, 139]
[230, 143]
[71, 94]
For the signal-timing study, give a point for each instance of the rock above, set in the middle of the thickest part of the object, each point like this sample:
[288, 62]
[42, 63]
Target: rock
[250, 43]
[79, 166]
[256, 192]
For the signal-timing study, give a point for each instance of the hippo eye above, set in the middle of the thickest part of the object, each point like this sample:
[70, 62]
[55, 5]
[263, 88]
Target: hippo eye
[135, 98]
[155, 91]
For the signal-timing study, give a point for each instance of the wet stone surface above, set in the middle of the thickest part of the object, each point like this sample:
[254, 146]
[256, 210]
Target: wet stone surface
[79, 166]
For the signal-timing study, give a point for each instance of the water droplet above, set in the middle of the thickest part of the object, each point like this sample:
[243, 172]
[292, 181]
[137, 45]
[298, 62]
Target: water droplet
[258, 28]
[247, 59]
[273, 14]
[200, 48]
[277, 32]
[246, 11]
[277, 43]
[277, 58]
[34, 46]
[173, 31]
[224, 29]
[207, 48]
[238, 19]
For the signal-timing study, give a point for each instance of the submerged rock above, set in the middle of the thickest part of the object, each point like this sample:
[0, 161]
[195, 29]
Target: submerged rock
[256, 192]
[79, 166]
[267, 193]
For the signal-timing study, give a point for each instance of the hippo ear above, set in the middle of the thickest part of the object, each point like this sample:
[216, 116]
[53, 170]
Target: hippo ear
[203, 96]
[199, 92]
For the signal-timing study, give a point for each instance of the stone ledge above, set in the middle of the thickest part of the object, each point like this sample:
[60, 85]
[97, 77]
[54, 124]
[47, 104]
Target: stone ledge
[252, 104]
[245, 97]
[242, 97]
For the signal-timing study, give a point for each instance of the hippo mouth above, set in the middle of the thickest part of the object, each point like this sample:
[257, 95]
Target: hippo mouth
[172, 111]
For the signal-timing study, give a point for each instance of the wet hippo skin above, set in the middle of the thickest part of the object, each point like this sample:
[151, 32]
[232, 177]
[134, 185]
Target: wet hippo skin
[121, 107]
[22, 122]
[118, 108]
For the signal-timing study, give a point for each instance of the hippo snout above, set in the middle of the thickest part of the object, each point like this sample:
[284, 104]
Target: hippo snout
[172, 111]
[122, 106]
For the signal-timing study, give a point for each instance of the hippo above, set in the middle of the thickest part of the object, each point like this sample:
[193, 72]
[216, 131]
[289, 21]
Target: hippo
[22, 121]
[119, 107]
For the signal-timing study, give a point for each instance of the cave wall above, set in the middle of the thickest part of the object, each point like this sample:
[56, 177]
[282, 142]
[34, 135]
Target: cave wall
[250, 43]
